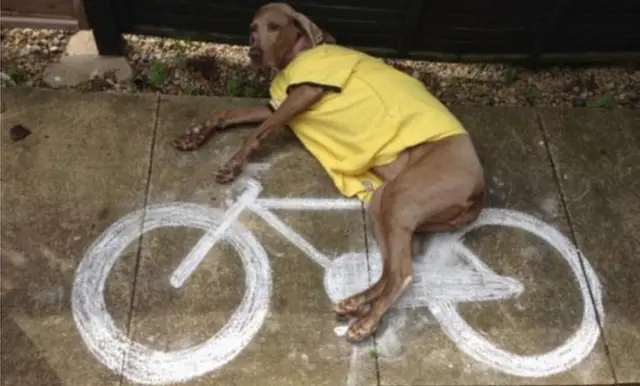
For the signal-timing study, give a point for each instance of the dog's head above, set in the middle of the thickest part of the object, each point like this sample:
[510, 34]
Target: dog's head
[279, 33]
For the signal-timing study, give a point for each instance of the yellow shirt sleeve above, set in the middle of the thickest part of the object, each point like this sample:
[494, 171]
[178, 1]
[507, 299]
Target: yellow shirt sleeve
[319, 67]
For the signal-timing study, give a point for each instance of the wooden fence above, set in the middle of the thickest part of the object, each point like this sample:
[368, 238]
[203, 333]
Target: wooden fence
[56, 14]
[466, 30]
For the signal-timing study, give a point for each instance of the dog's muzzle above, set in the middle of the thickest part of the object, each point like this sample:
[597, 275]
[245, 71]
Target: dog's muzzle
[255, 54]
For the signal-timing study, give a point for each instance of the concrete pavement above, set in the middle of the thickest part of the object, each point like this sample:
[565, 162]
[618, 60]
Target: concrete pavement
[85, 301]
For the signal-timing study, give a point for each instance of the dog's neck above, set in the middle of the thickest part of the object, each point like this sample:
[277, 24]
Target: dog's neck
[303, 43]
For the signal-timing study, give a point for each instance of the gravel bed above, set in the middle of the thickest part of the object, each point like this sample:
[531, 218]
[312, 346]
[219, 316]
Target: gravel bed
[173, 66]
[27, 52]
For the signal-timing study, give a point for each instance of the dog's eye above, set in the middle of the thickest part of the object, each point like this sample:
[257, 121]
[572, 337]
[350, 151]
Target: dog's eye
[273, 27]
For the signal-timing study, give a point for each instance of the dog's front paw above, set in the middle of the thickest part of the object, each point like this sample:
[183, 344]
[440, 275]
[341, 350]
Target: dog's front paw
[193, 138]
[228, 172]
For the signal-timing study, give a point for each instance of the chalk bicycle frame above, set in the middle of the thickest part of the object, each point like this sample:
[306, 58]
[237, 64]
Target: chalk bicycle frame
[440, 290]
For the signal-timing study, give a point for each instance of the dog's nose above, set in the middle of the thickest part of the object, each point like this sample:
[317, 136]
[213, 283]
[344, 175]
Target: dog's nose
[255, 53]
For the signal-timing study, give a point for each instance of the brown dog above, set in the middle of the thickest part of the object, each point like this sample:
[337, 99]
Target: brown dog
[379, 134]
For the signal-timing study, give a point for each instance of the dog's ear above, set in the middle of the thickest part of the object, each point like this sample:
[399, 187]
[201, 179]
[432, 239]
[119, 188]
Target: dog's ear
[315, 34]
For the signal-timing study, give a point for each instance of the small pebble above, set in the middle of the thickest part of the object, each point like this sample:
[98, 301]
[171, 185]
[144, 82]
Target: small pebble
[341, 330]
[19, 132]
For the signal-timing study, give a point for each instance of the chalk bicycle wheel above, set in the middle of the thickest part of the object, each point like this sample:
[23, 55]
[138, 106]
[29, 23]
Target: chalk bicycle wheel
[572, 351]
[135, 361]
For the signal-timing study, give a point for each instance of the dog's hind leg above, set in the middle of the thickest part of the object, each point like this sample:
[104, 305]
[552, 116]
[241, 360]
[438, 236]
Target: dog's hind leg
[358, 305]
[438, 189]
[395, 242]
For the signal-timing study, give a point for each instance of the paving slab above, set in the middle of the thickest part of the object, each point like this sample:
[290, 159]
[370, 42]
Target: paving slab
[597, 153]
[84, 165]
[254, 311]
[469, 325]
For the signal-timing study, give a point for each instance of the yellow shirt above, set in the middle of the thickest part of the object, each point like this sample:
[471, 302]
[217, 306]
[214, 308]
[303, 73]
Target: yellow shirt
[371, 113]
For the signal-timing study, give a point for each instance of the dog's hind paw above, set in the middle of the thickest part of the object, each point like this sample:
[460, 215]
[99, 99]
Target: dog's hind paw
[345, 309]
[363, 328]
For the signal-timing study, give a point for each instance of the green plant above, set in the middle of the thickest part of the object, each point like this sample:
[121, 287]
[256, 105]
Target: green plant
[606, 101]
[17, 74]
[509, 75]
[532, 91]
[85, 86]
[157, 74]
[250, 92]
[189, 90]
[237, 87]
[373, 352]
[234, 87]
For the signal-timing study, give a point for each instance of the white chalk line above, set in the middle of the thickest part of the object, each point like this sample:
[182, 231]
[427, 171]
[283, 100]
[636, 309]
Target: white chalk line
[293, 237]
[571, 352]
[353, 375]
[431, 282]
[193, 259]
[260, 207]
[309, 204]
[144, 365]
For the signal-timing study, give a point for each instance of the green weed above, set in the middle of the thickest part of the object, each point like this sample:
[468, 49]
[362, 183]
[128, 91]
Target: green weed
[237, 87]
[606, 102]
[234, 87]
[157, 74]
[85, 86]
[532, 91]
[17, 74]
[509, 75]
[190, 90]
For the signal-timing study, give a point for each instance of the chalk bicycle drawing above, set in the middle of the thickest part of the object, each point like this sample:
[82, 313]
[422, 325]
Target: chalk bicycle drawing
[445, 274]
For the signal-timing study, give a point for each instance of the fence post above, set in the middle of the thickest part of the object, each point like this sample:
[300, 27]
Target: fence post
[80, 14]
[411, 25]
[559, 15]
[106, 28]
